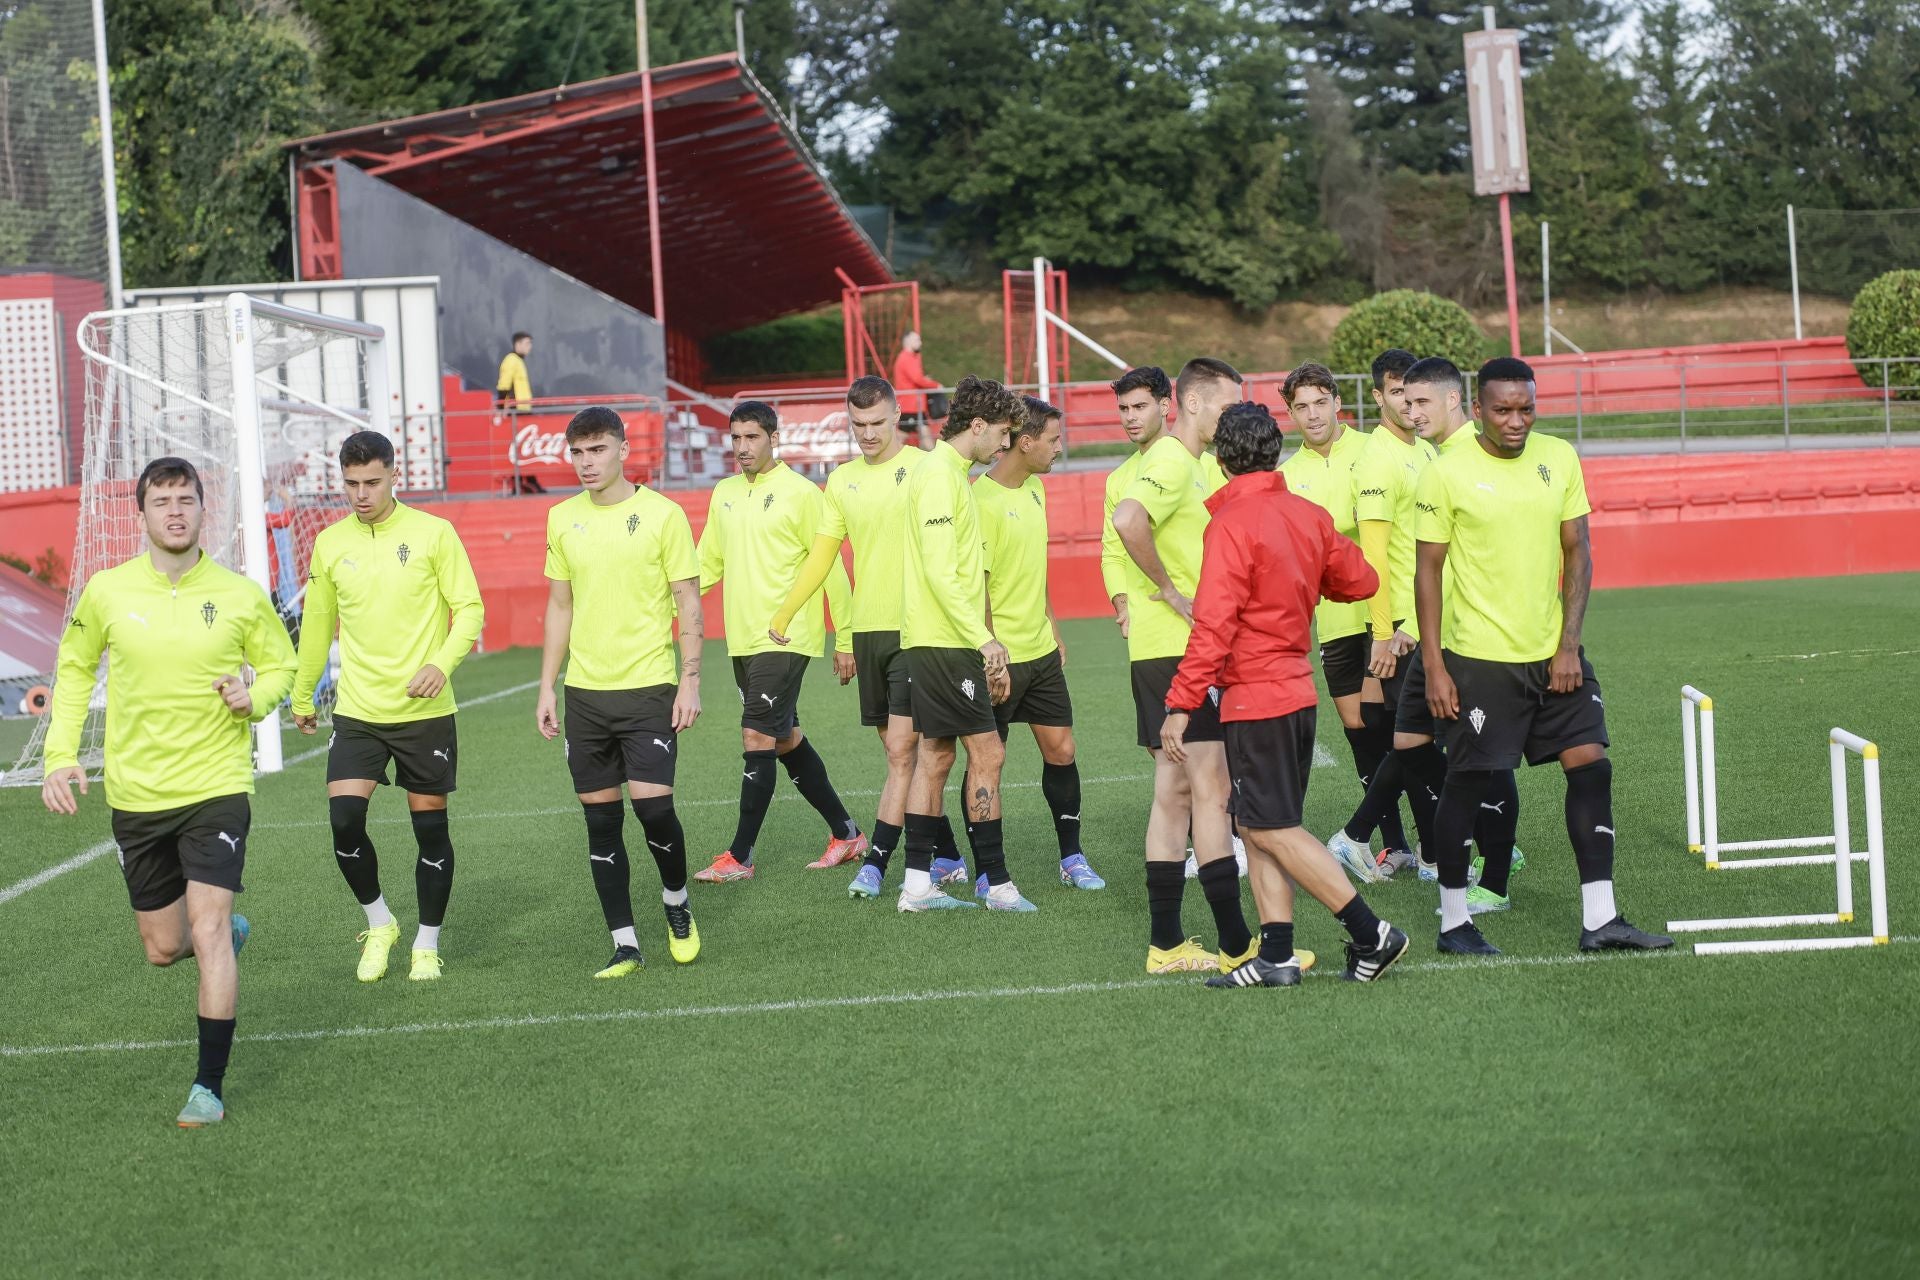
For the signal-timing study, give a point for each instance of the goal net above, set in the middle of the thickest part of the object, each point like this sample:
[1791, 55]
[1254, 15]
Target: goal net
[258, 396]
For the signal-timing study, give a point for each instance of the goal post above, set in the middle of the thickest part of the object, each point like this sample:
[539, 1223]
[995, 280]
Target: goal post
[258, 395]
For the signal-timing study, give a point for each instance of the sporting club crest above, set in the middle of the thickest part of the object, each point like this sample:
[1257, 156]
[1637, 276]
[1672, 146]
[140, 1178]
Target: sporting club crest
[1546, 476]
[633, 522]
[967, 687]
[1477, 718]
[899, 475]
[402, 552]
[208, 613]
[766, 503]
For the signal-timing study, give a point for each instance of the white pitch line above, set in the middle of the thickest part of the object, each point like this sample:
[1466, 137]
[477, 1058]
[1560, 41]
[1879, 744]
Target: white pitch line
[800, 1005]
[39, 878]
[1323, 758]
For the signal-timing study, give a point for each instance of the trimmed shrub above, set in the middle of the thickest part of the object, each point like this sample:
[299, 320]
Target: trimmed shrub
[1423, 323]
[1885, 325]
[812, 343]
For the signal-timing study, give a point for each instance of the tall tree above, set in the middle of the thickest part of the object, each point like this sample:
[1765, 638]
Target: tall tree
[1400, 64]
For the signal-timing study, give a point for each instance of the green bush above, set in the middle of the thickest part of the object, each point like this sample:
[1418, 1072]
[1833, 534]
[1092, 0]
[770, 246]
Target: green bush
[811, 343]
[1885, 325]
[1423, 323]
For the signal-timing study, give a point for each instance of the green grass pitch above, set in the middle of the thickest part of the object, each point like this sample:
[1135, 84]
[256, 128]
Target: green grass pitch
[836, 1089]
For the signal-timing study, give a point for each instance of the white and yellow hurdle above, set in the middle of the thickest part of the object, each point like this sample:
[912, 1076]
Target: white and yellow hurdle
[1703, 837]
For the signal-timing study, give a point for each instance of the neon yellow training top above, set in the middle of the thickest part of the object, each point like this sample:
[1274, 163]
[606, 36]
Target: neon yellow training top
[621, 561]
[1173, 486]
[1385, 477]
[1328, 482]
[171, 741]
[1013, 530]
[404, 595]
[946, 563]
[867, 506]
[758, 532]
[1500, 519]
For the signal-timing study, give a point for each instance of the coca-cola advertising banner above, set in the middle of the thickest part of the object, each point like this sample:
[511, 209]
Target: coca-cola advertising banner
[498, 452]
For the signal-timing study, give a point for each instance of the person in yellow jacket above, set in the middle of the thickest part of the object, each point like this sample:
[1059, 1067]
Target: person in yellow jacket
[399, 585]
[512, 390]
[179, 631]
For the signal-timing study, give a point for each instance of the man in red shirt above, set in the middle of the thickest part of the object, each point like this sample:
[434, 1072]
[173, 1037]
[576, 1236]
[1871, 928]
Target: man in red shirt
[1269, 558]
[910, 376]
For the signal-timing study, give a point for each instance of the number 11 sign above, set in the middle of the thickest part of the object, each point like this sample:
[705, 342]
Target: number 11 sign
[1497, 120]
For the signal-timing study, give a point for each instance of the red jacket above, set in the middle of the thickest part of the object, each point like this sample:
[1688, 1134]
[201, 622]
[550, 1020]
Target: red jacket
[1269, 558]
[910, 376]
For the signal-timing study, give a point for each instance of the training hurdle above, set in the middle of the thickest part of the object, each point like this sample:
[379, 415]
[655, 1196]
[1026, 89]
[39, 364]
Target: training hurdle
[1703, 837]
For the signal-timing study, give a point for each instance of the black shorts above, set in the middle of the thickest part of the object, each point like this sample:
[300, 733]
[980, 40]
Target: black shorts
[614, 735]
[425, 753]
[1152, 681]
[1039, 695]
[160, 852]
[1507, 714]
[769, 685]
[1269, 761]
[949, 689]
[1410, 714]
[881, 668]
[1344, 663]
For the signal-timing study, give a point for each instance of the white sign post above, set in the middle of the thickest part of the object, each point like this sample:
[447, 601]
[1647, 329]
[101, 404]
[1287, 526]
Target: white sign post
[1497, 121]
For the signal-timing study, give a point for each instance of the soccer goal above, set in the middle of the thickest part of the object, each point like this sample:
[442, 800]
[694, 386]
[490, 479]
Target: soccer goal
[258, 396]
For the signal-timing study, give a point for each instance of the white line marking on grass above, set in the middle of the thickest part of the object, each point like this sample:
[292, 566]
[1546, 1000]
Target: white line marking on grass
[1834, 653]
[801, 1005]
[314, 753]
[74, 863]
[680, 804]
[1323, 758]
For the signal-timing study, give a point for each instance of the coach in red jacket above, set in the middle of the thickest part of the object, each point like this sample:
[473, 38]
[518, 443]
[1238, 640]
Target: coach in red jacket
[1269, 557]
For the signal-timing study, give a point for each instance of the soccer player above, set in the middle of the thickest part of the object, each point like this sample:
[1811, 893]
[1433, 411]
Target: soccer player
[1270, 557]
[1436, 408]
[1384, 479]
[759, 525]
[399, 584]
[1013, 525]
[951, 656]
[620, 564]
[1505, 570]
[180, 629]
[1158, 513]
[866, 505]
[1322, 471]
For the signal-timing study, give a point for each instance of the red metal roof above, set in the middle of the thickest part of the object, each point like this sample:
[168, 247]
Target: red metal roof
[750, 228]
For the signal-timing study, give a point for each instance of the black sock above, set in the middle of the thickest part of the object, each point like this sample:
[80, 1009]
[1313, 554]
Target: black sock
[1276, 941]
[433, 870]
[756, 793]
[216, 1043]
[921, 832]
[1166, 885]
[1360, 923]
[607, 860]
[1423, 772]
[944, 844]
[1383, 795]
[1379, 728]
[1060, 784]
[809, 774]
[352, 850]
[1494, 830]
[666, 841]
[1454, 822]
[1590, 819]
[1220, 882]
[989, 853]
[886, 838]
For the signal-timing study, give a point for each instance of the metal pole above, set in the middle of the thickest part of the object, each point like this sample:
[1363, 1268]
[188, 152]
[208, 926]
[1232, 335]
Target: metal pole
[1886, 395]
[1546, 296]
[653, 172]
[1040, 335]
[251, 479]
[1690, 770]
[1842, 834]
[740, 30]
[110, 191]
[1786, 407]
[1577, 422]
[1683, 408]
[1793, 265]
[1513, 291]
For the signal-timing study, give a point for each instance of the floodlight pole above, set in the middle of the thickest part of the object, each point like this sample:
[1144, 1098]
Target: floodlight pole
[110, 192]
[1546, 295]
[653, 171]
[740, 29]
